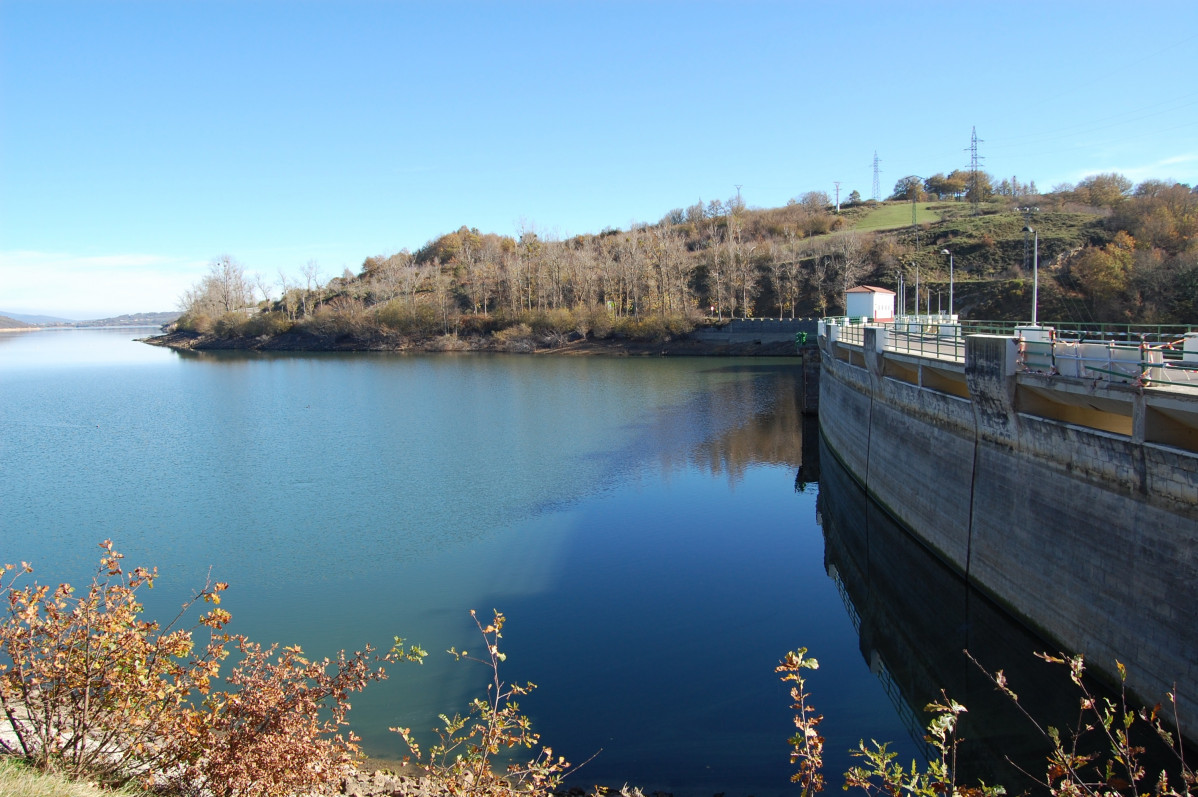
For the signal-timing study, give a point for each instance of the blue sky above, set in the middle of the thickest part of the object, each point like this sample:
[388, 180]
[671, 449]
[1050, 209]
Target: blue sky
[140, 139]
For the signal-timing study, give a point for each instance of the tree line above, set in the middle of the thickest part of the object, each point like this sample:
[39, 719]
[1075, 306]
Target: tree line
[719, 259]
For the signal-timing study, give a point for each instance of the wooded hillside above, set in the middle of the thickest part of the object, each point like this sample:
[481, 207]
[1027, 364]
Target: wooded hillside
[1108, 251]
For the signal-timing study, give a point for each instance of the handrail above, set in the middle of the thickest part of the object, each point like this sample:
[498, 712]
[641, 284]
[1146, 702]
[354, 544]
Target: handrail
[1136, 354]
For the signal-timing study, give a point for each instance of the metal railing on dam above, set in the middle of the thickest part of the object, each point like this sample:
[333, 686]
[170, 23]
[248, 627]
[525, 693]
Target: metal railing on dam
[1059, 479]
[1141, 355]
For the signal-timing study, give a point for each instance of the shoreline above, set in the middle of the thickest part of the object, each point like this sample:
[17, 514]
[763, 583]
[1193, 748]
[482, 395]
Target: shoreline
[683, 346]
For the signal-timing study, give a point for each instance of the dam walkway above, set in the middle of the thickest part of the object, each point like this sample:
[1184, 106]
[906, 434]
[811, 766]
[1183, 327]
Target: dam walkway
[1158, 356]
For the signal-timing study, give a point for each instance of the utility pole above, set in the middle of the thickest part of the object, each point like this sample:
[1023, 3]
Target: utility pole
[1035, 274]
[1027, 225]
[877, 189]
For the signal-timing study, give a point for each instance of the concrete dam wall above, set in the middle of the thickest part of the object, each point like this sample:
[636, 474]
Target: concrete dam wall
[1072, 504]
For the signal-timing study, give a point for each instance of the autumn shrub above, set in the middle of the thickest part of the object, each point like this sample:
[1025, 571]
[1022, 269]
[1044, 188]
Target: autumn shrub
[230, 325]
[1122, 766]
[653, 328]
[89, 687]
[600, 322]
[194, 321]
[266, 324]
[341, 319]
[408, 319]
[464, 759]
[479, 324]
[280, 727]
[558, 321]
[1075, 767]
[448, 343]
[515, 338]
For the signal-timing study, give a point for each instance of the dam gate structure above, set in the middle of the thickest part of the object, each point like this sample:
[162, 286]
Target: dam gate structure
[1058, 476]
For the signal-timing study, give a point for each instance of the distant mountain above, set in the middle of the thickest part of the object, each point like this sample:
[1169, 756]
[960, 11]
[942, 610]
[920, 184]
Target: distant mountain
[36, 319]
[127, 320]
[7, 322]
[131, 320]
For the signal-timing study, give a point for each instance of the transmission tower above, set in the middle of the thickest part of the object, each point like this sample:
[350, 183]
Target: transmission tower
[975, 193]
[877, 171]
[837, 184]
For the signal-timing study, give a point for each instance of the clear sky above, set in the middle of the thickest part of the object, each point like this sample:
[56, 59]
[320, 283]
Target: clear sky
[139, 140]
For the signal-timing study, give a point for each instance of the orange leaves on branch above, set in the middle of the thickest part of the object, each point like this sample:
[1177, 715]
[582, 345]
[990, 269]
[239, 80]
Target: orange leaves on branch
[807, 746]
[281, 728]
[94, 689]
[91, 687]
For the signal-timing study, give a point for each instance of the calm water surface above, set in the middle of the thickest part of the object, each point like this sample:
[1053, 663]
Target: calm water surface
[636, 519]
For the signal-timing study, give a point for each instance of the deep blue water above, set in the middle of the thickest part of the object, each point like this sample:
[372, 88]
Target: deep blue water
[637, 520]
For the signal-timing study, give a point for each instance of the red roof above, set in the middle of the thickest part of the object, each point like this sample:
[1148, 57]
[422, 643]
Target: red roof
[869, 289]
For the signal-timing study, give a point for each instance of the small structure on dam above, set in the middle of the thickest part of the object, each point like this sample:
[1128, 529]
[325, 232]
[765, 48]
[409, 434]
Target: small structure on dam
[1058, 475]
[867, 301]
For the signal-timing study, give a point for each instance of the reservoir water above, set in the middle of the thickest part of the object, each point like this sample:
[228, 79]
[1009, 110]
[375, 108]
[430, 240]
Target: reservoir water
[643, 523]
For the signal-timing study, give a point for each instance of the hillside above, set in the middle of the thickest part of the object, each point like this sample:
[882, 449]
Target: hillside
[1110, 255]
[7, 323]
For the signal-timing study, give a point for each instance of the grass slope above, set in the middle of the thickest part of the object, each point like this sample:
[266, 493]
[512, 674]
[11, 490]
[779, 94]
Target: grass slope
[19, 780]
[893, 215]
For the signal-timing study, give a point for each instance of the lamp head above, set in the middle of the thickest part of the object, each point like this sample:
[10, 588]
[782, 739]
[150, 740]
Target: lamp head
[1028, 229]
[945, 252]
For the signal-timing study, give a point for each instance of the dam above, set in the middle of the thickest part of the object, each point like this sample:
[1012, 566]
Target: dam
[1056, 474]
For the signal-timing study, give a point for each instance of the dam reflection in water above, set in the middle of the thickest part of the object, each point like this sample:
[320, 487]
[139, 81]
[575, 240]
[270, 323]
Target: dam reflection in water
[916, 618]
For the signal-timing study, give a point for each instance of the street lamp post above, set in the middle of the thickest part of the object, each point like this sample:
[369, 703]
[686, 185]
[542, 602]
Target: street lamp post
[950, 280]
[916, 291]
[1035, 272]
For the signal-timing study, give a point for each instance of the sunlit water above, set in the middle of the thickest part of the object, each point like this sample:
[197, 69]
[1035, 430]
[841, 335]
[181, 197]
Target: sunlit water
[637, 520]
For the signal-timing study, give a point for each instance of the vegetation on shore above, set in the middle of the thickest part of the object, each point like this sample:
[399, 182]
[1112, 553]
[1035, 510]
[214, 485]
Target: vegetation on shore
[1107, 251]
[93, 695]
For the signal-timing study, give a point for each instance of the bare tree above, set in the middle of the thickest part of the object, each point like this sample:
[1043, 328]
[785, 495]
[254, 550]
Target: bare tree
[263, 286]
[311, 274]
[223, 289]
[850, 253]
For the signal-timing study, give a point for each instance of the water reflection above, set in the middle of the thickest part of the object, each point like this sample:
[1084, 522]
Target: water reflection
[915, 618]
[635, 519]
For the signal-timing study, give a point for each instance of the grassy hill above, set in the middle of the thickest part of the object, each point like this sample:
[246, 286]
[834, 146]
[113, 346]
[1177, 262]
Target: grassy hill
[895, 215]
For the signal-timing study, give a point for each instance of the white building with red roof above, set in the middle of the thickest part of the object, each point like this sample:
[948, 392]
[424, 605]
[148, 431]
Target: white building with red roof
[867, 301]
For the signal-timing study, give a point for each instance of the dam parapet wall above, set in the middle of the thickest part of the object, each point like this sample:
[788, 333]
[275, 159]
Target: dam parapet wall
[1072, 501]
